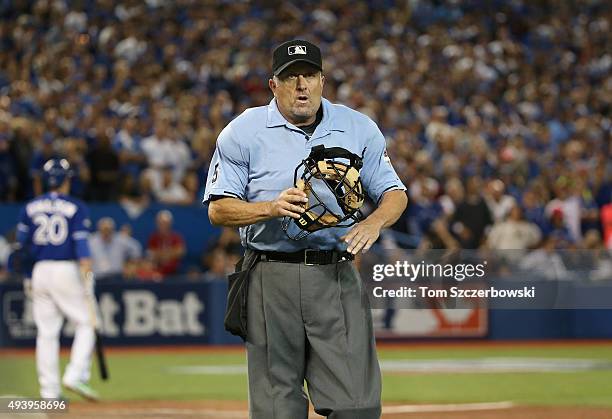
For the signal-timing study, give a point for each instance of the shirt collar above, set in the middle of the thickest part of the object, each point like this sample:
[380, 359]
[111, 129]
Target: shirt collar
[328, 123]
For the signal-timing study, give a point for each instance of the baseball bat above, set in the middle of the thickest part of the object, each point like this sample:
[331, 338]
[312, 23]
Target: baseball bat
[101, 358]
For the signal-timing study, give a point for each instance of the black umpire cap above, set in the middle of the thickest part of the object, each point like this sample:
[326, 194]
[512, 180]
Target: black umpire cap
[291, 52]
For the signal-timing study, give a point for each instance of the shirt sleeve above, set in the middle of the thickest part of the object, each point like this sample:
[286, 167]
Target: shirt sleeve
[81, 226]
[24, 230]
[134, 248]
[377, 174]
[228, 173]
[177, 240]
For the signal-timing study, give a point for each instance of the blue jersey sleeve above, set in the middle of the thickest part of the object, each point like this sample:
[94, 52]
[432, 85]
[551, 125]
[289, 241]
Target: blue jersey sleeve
[81, 226]
[377, 174]
[19, 261]
[228, 173]
[24, 229]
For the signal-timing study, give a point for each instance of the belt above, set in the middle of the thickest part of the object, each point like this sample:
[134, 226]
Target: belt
[307, 257]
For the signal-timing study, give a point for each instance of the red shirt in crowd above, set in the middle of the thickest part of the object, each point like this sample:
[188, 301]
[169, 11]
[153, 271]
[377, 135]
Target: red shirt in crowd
[167, 251]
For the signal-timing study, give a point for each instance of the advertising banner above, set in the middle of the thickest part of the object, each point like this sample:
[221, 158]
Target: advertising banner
[177, 312]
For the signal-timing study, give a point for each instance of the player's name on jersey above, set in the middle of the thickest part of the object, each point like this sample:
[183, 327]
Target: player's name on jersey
[67, 208]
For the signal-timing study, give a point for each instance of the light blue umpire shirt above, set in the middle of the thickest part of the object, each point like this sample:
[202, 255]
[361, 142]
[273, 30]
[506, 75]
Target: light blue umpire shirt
[256, 156]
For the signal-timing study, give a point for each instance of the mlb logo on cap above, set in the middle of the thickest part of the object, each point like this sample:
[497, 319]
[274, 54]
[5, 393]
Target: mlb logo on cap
[296, 49]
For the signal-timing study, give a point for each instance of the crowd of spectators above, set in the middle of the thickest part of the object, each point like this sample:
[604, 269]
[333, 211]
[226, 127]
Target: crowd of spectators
[116, 254]
[497, 113]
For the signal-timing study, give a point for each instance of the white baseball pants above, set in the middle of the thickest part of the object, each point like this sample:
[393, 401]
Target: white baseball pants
[57, 293]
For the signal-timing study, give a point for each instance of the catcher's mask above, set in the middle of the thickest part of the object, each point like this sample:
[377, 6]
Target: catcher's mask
[340, 178]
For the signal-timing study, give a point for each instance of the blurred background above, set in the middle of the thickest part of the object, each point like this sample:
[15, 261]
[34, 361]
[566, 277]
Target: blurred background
[496, 115]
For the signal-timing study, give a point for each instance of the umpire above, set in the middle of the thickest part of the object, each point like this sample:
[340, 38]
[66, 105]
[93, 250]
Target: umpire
[308, 314]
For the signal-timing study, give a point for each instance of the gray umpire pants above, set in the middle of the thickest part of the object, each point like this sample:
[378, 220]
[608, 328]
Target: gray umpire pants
[310, 323]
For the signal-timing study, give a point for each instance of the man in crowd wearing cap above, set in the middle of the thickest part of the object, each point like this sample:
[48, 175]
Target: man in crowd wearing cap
[308, 315]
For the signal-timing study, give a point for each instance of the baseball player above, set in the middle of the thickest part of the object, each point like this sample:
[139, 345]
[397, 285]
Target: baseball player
[308, 316]
[54, 229]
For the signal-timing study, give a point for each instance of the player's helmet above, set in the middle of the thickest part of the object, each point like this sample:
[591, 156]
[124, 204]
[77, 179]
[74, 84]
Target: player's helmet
[333, 188]
[55, 171]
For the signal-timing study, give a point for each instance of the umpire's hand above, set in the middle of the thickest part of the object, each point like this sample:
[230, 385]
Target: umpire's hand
[362, 236]
[289, 202]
